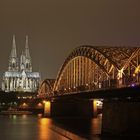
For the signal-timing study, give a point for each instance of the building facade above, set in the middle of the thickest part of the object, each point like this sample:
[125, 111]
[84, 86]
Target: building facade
[19, 76]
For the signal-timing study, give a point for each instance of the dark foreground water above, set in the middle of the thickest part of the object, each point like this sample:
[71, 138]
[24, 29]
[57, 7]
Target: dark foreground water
[37, 128]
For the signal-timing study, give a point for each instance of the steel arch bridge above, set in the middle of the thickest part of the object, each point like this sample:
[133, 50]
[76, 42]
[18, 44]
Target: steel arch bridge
[98, 67]
[46, 88]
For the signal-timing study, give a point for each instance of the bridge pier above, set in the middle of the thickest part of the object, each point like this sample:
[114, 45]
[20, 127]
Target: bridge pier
[70, 108]
[121, 117]
[95, 110]
[47, 108]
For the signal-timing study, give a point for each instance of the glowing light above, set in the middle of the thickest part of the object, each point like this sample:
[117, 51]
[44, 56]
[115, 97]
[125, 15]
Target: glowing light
[14, 117]
[137, 69]
[132, 85]
[48, 103]
[24, 116]
[47, 108]
[99, 103]
[39, 105]
[95, 108]
[44, 101]
[120, 73]
[39, 115]
[43, 129]
[30, 97]
[24, 105]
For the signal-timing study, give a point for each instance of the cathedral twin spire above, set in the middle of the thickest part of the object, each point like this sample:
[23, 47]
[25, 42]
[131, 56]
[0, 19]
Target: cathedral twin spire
[13, 51]
[27, 54]
[25, 59]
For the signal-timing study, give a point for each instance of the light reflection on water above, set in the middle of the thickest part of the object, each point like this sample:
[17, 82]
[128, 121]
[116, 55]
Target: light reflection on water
[96, 125]
[29, 127]
[43, 124]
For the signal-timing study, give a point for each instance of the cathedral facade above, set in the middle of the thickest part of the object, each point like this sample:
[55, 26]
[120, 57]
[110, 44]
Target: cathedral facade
[19, 76]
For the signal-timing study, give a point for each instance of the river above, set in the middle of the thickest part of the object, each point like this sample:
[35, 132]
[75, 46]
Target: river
[35, 127]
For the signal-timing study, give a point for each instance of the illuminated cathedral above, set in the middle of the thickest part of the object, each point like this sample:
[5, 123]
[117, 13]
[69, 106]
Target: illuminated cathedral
[19, 76]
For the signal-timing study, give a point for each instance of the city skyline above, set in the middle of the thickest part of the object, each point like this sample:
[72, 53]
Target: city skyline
[56, 28]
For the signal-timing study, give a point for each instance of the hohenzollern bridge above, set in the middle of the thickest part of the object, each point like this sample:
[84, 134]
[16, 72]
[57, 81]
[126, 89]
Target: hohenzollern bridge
[90, 68]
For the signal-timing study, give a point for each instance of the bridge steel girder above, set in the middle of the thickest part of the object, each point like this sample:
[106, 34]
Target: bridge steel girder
[46, 88]
[110, 60]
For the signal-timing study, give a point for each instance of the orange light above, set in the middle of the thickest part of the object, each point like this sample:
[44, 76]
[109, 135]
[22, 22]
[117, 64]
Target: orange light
[47, 103]
[43, 132]
[95, 107]
[47, 108]
[44, 101]
[24, 105]
[39, 105]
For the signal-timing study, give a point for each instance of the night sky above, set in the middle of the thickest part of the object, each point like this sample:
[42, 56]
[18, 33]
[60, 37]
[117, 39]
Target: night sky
[56, 27]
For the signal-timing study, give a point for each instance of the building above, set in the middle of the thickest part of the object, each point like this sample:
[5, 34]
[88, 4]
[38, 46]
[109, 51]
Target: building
[19, 76]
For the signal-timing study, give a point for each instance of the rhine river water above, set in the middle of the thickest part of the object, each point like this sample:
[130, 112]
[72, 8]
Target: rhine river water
[31, 127]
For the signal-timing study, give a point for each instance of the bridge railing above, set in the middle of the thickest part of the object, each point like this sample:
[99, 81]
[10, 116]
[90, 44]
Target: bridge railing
[105, 85]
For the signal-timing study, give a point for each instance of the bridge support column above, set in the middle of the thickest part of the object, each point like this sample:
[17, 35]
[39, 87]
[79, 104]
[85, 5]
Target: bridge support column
[72, 108]
[95, 112]
[121, 117]
[47, 108]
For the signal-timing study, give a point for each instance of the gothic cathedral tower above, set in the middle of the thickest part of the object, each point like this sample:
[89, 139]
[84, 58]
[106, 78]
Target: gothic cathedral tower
[19, 76]
[25, 59]
[13, 60]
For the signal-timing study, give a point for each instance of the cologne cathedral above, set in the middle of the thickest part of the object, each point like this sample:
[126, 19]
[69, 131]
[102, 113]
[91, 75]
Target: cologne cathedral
[19, 76]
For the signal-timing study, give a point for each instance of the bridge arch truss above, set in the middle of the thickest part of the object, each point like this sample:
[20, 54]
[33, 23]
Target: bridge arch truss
[46, 88]
[90, 68]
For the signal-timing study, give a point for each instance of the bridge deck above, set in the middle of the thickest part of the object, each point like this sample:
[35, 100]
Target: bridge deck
[130, 92]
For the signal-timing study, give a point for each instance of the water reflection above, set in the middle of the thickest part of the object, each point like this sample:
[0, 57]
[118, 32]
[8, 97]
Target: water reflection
[96, 125]
[46, 133]
[15, 127]
[29, 127]
[81, 127]
[44, 123]
[24, 116]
